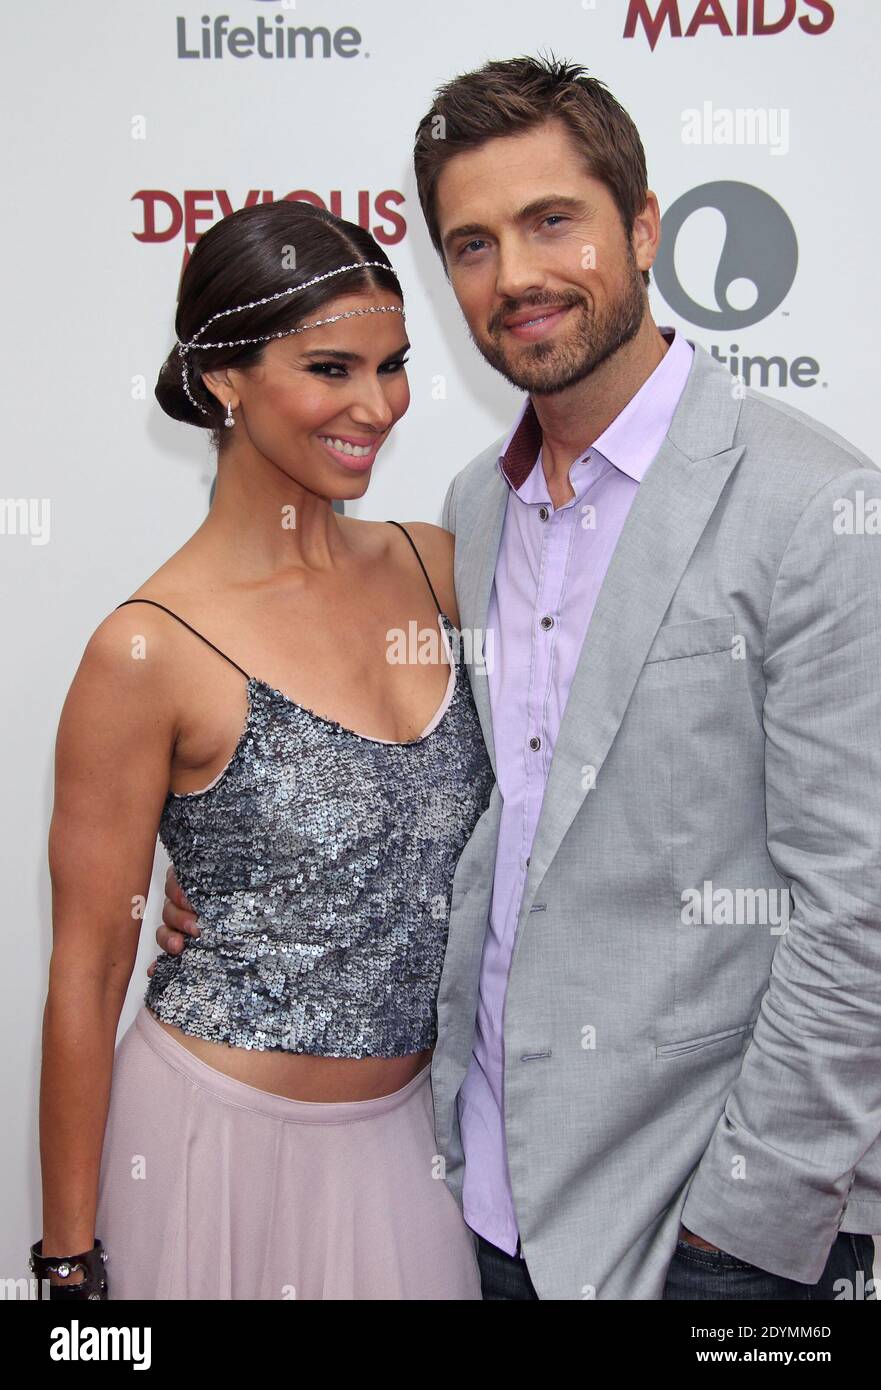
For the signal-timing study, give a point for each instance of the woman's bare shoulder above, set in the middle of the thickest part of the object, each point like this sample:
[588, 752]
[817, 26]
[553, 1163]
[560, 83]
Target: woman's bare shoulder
[433, 541]
[127, 657]
[435, 546]
[135, 650]
[436, 535]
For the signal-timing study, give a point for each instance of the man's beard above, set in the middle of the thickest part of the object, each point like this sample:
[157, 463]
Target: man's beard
[546, 368]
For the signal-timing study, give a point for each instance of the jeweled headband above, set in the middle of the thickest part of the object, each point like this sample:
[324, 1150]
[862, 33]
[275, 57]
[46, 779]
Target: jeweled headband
[184, 348]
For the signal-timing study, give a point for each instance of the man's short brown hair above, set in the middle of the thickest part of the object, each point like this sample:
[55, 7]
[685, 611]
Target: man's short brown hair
[518, 94]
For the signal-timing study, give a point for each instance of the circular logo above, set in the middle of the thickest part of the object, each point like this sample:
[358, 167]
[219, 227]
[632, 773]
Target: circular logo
[759, 250]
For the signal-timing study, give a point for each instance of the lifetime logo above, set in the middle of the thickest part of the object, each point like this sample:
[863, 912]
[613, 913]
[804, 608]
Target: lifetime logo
[267, 39]
[749, 18]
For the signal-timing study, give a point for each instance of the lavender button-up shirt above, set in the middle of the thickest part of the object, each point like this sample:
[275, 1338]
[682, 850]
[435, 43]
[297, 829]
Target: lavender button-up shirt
[551, 564]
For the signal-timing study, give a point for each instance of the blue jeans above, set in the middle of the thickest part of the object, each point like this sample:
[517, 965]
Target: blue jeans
[502, 1275]
[710, 1274]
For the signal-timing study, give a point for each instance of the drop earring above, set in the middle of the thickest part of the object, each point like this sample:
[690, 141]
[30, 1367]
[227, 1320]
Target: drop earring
[229, 421]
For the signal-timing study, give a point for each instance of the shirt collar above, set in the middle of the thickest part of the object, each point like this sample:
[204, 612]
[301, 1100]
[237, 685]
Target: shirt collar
[633, 438]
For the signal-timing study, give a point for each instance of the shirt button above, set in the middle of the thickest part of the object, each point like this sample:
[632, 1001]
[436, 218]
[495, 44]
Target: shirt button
[547, 622]
[543, 513]
[534, 743]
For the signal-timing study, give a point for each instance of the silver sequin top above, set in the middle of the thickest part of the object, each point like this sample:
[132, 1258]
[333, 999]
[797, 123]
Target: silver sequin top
[320, 863]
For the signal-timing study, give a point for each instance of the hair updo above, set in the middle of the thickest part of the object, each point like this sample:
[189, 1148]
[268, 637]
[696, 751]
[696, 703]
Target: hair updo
[247, 256]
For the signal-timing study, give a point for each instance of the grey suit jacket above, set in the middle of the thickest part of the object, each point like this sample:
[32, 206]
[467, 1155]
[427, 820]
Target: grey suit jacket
[723, 729]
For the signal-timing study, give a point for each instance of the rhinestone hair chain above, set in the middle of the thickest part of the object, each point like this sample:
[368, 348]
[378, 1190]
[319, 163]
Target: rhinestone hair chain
[184, 348]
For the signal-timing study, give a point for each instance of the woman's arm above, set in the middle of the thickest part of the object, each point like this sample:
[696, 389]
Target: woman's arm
[112, 760]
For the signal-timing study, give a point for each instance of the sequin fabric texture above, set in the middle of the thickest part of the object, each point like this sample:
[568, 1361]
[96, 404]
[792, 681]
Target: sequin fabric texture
[320, 863]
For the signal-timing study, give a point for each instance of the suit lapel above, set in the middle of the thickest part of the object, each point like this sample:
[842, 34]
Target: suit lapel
[665, 522]
[477, 546]
[668, 515]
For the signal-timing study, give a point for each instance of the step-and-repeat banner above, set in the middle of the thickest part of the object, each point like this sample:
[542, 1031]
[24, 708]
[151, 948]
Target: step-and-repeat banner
[132, 128]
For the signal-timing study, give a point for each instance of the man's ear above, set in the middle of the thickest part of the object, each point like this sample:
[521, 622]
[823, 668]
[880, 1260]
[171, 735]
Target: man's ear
[646, 237]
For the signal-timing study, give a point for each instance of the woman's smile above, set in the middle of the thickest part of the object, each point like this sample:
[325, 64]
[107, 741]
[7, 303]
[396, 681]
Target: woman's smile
[355, 454]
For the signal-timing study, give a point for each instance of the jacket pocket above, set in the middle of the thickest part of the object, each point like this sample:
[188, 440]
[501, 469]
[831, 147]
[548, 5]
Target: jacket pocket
[677, 1049]
[696, 638]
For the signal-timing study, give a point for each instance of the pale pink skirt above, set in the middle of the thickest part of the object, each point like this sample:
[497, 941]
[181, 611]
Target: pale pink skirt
[211, 1188]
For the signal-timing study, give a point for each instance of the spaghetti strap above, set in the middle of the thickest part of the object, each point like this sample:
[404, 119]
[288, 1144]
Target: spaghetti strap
[187, 625]
[419, 558]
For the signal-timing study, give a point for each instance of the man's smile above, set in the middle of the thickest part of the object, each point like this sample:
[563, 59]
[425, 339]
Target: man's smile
[530, 324]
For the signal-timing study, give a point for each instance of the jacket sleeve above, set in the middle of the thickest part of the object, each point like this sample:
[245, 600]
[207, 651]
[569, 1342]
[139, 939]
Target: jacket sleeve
[772, 1184]
[448, 516]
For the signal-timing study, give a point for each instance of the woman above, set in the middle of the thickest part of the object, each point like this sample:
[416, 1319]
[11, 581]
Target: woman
[268, 1130]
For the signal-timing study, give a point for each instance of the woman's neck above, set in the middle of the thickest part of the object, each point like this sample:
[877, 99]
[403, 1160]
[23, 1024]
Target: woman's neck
[268, 523]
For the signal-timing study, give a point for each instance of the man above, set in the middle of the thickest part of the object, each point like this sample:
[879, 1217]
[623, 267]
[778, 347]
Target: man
[657, 1072]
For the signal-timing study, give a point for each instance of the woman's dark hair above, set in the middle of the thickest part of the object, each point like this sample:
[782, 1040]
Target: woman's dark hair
[253, 253]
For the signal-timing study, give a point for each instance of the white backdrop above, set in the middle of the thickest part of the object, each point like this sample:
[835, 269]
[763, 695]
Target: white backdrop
[114, 137]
